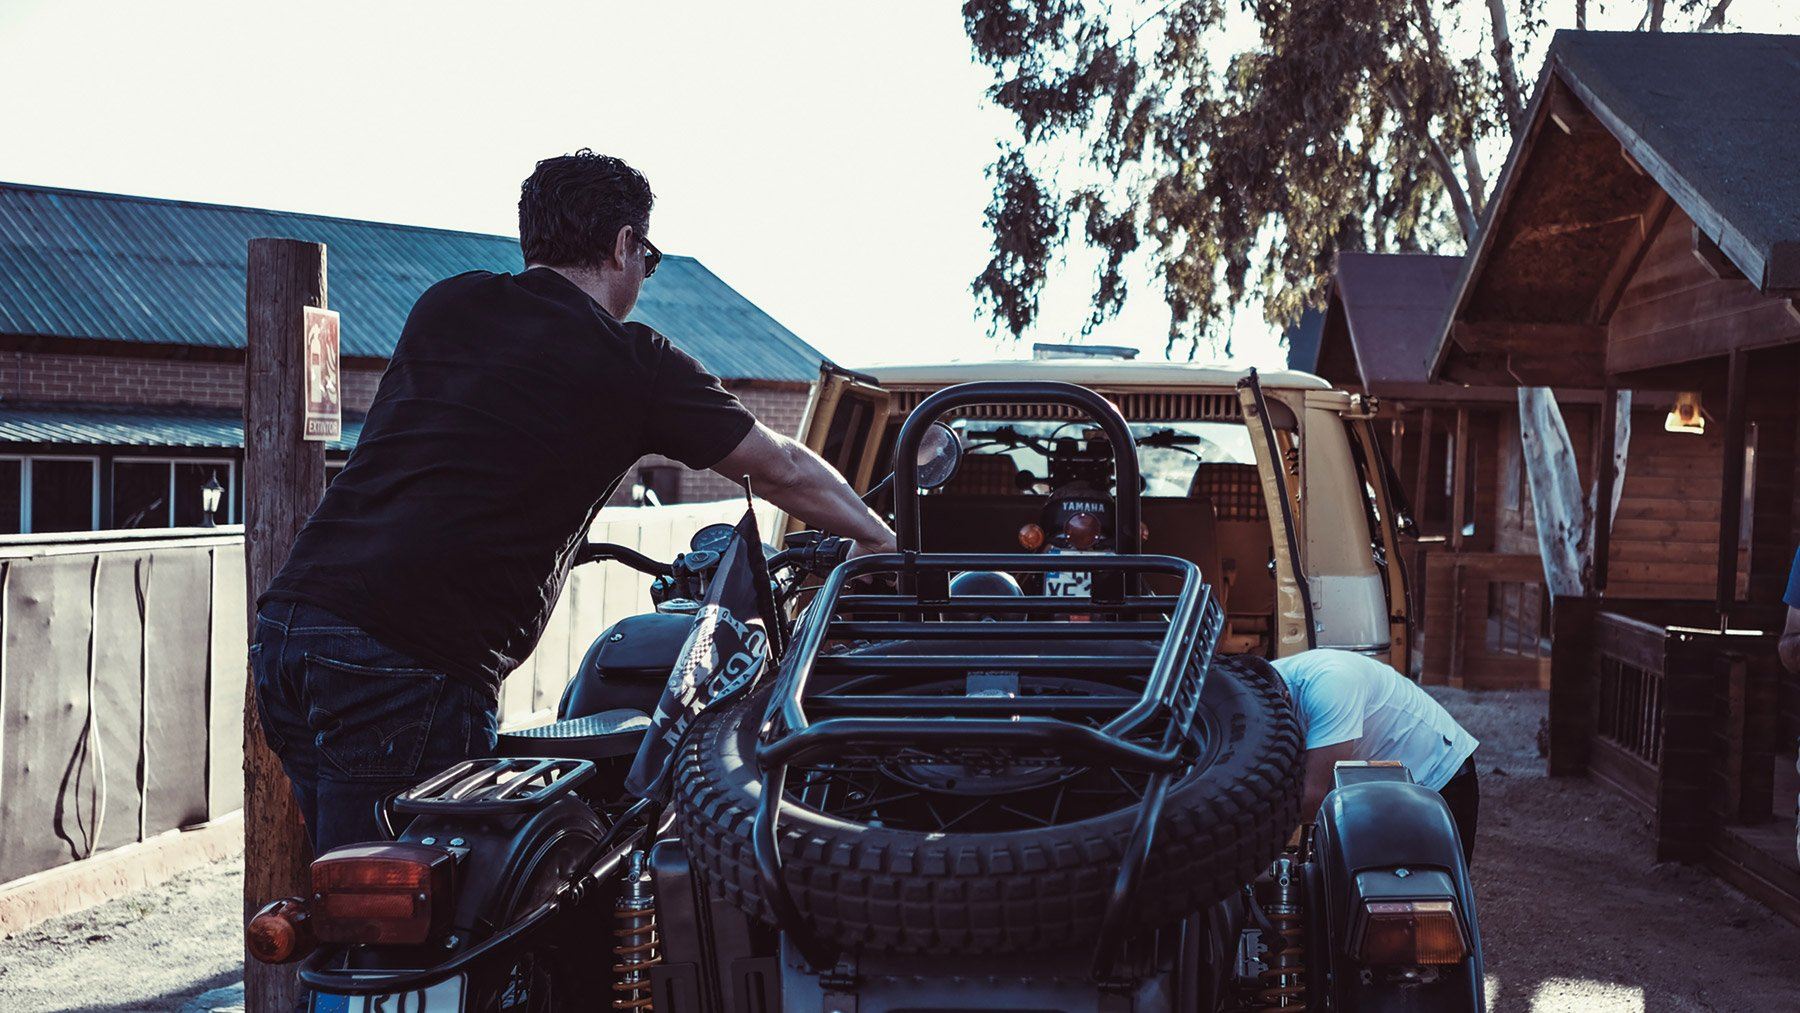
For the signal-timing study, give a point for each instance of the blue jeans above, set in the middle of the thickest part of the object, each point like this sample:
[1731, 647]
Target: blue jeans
[354, 722]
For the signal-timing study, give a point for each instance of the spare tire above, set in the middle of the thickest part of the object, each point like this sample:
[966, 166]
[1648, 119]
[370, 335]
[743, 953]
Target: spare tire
[890, 890]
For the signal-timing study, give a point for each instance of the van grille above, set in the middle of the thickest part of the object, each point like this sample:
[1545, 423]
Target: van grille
[1136, 406]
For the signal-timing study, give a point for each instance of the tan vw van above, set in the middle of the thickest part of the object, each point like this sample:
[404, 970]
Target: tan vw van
[1273, 484]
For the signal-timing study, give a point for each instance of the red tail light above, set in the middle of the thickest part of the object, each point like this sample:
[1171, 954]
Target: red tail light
[1410, 932]
[280, 932]
[1083, 530]
[381, 893]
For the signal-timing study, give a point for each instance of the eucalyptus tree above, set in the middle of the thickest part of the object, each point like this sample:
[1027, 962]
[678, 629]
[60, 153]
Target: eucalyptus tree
[1238, 170]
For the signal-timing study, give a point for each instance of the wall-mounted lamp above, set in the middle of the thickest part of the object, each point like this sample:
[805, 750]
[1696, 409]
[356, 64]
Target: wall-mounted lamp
[211, 495]
[1687, 416]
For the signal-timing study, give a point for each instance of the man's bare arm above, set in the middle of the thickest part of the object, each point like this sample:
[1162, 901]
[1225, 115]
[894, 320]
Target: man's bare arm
[1789, 646]
[799, 482]
[1320, 764]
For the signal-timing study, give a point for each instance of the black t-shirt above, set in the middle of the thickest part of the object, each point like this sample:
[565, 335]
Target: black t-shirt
[512, 407]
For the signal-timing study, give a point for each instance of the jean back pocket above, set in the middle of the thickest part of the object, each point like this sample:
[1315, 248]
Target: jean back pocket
[372, 723]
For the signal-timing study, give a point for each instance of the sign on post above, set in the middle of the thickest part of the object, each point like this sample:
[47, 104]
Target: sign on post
[324, 398]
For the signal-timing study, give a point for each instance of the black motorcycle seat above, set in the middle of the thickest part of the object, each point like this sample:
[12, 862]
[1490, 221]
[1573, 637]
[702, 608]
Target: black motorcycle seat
[603, 736]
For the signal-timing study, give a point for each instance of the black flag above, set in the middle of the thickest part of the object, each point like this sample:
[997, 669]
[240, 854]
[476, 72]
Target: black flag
[732, 643]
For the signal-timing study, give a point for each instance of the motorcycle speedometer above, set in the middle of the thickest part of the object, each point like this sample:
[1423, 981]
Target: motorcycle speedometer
[712, 538]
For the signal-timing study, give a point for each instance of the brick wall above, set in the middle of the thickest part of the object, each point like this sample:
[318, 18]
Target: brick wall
[112, 379]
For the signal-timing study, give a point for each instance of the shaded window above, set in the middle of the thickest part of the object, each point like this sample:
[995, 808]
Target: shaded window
[661, 482]
[12, 473]
[62, 495]
[140, 495]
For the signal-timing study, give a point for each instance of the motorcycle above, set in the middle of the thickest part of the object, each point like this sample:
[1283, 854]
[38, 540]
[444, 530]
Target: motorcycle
[891, 783]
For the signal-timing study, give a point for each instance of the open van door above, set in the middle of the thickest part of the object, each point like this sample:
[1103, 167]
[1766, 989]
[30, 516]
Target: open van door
[1382, 490]
[1274, 429]
[844, 424]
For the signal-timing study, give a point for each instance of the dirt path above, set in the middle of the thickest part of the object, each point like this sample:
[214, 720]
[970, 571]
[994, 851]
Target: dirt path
[149, 951]
[1574, 914]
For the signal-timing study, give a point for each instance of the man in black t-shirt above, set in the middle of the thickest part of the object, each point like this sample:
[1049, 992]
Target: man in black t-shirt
[511, 408]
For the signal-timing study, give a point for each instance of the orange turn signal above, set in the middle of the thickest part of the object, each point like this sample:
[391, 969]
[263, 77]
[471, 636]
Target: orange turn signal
[1031, 537]
[1410, 932]
[280, 932]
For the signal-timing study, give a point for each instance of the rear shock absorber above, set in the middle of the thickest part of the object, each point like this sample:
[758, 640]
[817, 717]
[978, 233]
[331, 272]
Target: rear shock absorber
[1284, 977]
[635, 944]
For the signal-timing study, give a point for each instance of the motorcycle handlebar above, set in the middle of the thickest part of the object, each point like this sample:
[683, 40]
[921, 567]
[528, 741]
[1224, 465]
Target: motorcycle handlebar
[597, 552]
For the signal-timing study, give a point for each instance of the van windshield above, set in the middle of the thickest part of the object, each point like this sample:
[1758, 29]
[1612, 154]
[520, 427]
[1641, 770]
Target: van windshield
[1168, 453]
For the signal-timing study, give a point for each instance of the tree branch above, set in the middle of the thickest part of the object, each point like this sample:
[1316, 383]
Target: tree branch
[1656, 14]
[1581, 15]
[1715, 20]
[1440, 160]
[1477, 184]
[1511, 98]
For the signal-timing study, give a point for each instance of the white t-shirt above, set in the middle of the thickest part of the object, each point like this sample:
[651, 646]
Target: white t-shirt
[1342, 696]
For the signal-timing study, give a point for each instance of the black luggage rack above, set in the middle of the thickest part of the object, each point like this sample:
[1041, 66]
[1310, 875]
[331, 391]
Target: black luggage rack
[1086, 730]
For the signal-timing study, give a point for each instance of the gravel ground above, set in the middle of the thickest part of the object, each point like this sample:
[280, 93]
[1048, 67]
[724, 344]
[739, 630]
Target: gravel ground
[1574, 915]
[148, 951]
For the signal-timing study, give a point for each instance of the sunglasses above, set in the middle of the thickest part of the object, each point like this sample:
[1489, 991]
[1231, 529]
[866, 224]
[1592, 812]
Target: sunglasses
[652, 256]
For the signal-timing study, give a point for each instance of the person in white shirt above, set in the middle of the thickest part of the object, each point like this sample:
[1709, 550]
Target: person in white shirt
[1353, 707]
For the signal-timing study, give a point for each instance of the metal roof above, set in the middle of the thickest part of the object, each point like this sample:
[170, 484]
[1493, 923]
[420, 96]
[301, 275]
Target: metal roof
[1089, 372]
[85, 265]
[115, 425]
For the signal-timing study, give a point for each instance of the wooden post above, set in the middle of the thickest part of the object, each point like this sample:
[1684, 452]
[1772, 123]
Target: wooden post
[284, 477]
[1731, 495]
[1459, 481]
[1423, 472]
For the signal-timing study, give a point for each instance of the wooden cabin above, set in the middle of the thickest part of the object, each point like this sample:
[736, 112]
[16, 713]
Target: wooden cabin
[1645, 236]
[1481, 614]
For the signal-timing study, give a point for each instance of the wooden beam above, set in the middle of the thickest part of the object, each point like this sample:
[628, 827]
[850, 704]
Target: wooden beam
[1570, 116]
[1423, 469]
[1529, 338]
[1569, 369]
[1731, 492]
[1713, 259]
[284, 476]
[1625, 267]
[1459, 481]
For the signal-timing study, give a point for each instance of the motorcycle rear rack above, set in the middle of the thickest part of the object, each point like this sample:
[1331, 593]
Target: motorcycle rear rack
[1186, 627]
[494, 786]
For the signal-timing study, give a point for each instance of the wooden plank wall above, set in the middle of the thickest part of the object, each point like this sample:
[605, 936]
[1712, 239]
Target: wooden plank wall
[1666, 535]
[1675, 310]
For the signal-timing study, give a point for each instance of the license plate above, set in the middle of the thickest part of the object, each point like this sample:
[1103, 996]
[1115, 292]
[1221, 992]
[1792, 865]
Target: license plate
[444, 997]
[1075, 584]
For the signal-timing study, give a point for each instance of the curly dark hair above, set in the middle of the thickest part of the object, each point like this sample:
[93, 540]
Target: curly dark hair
[572, 208]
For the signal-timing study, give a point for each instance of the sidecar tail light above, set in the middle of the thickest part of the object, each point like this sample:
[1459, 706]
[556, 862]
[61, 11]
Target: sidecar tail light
[1409, 932]
[381, 893]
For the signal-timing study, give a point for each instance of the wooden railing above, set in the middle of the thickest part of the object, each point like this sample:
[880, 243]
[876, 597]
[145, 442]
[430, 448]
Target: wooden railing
[1676, 715]
[1480, 618]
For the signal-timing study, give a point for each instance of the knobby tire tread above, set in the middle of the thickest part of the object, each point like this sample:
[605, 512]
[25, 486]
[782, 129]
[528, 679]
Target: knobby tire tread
[910, 892]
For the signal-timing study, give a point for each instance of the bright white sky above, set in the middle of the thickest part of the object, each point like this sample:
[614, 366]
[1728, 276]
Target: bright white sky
[825, 157]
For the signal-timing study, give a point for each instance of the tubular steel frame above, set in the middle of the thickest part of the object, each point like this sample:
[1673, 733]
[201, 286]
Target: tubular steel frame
[1171, 693]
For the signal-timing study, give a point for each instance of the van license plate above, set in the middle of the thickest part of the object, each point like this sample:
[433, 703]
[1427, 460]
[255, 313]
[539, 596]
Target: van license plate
[444, 997]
